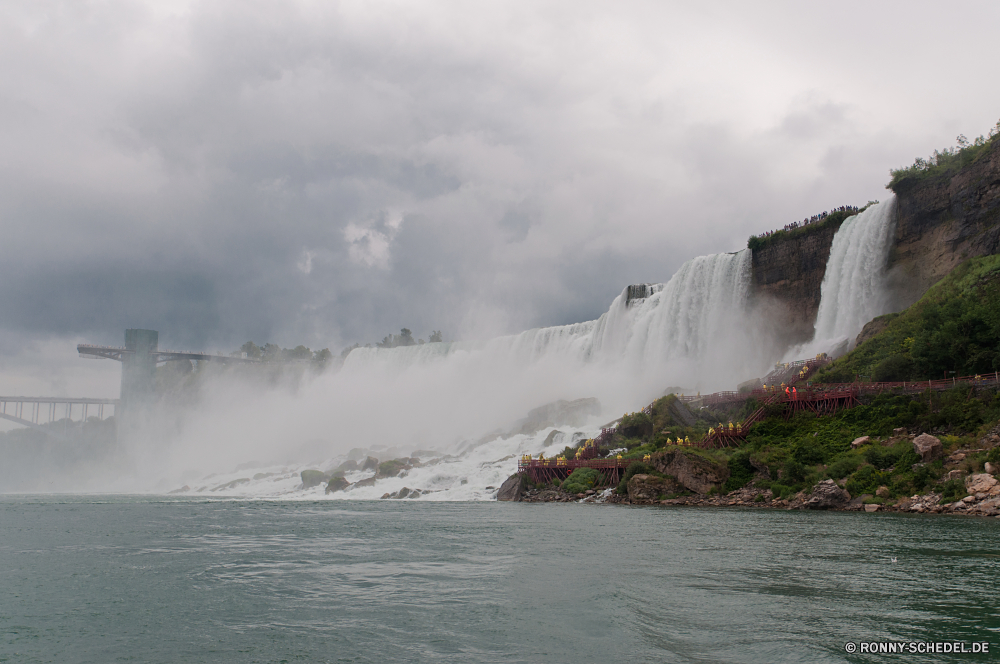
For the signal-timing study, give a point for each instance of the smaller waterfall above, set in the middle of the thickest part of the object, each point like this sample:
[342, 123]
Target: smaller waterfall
[853, 290]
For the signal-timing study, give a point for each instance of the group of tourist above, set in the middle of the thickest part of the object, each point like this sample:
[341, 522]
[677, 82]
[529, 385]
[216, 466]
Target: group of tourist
[815, 219]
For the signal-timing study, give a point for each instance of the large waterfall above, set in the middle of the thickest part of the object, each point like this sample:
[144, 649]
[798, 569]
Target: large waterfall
[687, 322]
[854, 286]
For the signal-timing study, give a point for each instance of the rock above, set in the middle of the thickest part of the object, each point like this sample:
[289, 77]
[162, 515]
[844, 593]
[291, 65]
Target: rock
[337, 483]
[693, 472]
[648, 488]
[311, 478]
[371, 463]
[882, 492]
[990, 468]
[858, 442]
[980, 483]
[393, 468]
[927, 446]
[347, 466]
[182, 489]
[590, 492]
[955, 457]
[827, 495]
[901, 431]
[368, 481]
[512, 488]
[955, 474]
[402, 493]
[871, 507]
[968, 500]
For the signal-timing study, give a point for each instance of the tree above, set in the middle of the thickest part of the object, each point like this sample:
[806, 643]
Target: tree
[435, 337]
[251, 349]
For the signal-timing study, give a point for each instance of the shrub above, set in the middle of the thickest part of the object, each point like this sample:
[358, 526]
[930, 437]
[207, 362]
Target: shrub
[582, 479]
[741, 472]
[311, 478]
[636, 425]
[952, 490]
[637, 468]
[865, 480]
[844, 466]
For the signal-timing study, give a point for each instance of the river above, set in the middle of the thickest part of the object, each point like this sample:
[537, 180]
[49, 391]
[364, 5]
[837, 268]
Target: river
[155, 579]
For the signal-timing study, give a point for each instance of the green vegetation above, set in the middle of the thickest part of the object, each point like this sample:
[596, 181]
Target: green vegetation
[805, 449]
[581, 479]
[955, 327]
[944, 163]
[311, 478]
[274, 353]
[832, 220]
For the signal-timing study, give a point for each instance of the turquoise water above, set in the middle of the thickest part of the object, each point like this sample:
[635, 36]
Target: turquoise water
[142, 579]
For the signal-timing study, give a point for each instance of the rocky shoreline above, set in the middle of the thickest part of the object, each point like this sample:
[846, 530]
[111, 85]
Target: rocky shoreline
[683, 479]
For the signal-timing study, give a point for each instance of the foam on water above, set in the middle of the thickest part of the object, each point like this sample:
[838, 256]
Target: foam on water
[441, 396]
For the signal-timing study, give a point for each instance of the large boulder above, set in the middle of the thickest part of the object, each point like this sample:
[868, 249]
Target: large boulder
[370, 463]
[512, 489]
[337, 483]
[980, 483]
[927, 446]
[827, 495]
[650, 488]
[393, 468]
[311, 478]
[692, 471]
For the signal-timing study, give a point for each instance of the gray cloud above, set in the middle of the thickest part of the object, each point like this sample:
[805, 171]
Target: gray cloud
[327, 174]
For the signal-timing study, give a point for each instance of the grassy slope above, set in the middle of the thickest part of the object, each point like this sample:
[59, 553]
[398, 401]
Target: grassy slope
[954, 327]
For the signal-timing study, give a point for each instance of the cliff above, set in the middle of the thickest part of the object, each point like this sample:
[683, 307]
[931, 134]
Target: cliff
[787, 276]
[941, 221]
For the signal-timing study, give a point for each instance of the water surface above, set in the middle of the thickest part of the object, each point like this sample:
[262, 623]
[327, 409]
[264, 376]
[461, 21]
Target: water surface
[148, 579]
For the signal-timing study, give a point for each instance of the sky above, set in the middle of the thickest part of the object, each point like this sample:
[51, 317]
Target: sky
[325, 173]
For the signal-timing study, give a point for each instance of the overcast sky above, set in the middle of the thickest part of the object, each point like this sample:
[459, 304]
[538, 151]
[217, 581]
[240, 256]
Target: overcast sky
[326, 173]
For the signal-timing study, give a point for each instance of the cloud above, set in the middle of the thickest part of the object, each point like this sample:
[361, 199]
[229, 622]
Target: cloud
[326, 173]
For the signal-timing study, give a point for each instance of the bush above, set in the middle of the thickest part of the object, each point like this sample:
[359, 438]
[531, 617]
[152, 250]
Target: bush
[952, 490]
[844, 466]
[636, 425]
[581, 480]
[893, 369]
[637, 468]
[741, 472]
[865, 480]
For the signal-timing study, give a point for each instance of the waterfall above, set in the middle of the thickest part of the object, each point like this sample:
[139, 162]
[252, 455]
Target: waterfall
[853, 290]
[687, 319]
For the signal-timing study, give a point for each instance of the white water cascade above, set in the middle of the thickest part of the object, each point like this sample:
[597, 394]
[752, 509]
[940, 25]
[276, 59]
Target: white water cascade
[682, 327]
[854, 286]
[458, 403]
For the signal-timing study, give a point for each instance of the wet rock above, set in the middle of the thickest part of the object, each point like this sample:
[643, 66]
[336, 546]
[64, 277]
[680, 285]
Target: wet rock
[871, 507]
[337, 483]
[347, 466]
[980, 483]
[648, 488]
[858, 442]
[311, 478]
[393, 468]
[512, 488]
[370, 463]
[183, 489]
[927, 446]
[368, 481]
[827, 495]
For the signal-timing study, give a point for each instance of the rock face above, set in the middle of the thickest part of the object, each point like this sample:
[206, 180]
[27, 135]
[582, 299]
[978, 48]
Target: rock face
[371, 463]
[827, 495]
[695, 473]
[981, 483]
[942, 221]
[650, 488]
[512, 488]
[311, 478]
[337, 483]
[927, 446]
[787, 277]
